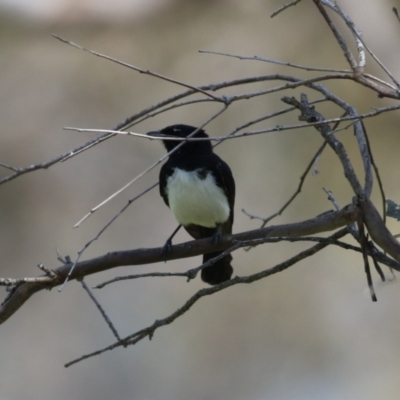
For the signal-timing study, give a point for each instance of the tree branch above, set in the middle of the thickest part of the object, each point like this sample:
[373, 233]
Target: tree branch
[149, 331]
[328, 221]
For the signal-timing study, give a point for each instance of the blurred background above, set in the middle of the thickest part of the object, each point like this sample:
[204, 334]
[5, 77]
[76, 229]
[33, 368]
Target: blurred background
[310, 332]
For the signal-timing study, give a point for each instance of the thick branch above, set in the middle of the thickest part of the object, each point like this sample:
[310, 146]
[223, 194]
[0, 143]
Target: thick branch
[309, 114]
[378, 231]
[325, 222]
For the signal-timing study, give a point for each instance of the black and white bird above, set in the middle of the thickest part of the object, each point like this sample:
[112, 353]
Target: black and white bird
[199, 188]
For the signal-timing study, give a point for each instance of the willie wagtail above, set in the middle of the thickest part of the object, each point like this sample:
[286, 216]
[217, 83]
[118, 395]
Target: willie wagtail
[200, 190]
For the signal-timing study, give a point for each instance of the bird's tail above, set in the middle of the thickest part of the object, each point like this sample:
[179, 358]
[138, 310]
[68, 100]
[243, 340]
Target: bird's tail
[218, 272]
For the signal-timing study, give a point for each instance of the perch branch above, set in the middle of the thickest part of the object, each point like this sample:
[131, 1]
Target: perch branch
[322, 223]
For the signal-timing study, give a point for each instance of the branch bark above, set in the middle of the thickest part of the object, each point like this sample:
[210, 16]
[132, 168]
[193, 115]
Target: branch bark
[328, 221]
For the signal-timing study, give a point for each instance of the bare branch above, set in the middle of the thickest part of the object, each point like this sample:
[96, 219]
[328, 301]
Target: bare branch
[309, 114]
[278, 62]
[9, 167]
[232, 135]
[149, 331]
[382, 91]
[138, 276]
[142, 71]
[284, 7]
[295, 194]
[101, 309]
[81, 251]
[47, 164]
[338, 36]
[360, 43]
[322, 223]
[377, 230]
[377, 174]
[189, 274]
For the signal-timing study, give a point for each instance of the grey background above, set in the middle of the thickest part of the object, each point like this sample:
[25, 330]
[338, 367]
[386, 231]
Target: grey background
[310, 332]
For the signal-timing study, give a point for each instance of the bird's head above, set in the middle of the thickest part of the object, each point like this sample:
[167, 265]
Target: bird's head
[181, 131]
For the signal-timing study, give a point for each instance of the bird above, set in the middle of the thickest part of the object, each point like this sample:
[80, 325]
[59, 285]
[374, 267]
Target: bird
[199, 188]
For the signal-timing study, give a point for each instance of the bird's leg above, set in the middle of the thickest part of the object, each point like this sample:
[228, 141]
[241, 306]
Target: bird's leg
[216, 237]
[167, 248]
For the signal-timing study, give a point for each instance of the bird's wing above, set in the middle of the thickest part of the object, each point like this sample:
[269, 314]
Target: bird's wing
[165, 171]
[224, 178]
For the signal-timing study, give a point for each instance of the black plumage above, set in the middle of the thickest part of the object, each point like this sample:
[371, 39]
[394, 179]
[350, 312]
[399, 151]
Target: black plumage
[199, 188]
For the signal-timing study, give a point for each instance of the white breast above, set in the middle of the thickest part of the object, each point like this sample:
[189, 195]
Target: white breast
[196, 201]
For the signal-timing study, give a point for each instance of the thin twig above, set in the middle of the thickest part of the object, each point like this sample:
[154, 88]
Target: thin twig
[359, 40]
[310, 115]
[9, 167]
[80, 252]
[214, 87]
[149, 331]
[381, 81]
[109, 198]
[189, 274]
[138, 276]
[101, 309]
[48, 272]
[278, 62]
[331, 198]
[284, 7]
[338, 36]
[299, 187]
[142, 71]
[277, 128]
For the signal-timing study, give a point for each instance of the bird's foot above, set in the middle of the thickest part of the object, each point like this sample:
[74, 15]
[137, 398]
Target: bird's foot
[167, 249]
[216, 238]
